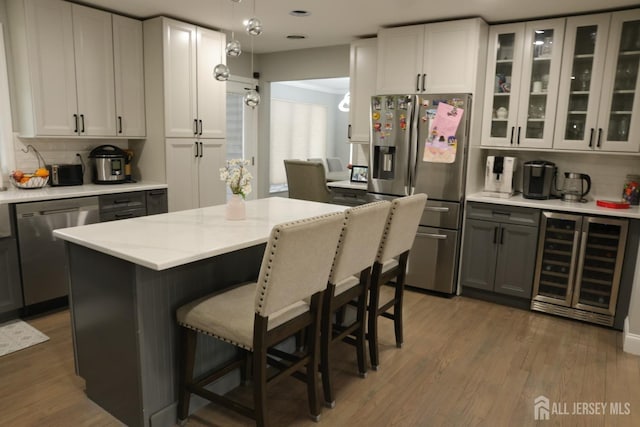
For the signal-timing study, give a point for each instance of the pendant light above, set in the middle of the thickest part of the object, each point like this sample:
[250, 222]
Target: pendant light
[252, 97]
[254, 28]
[234, 48]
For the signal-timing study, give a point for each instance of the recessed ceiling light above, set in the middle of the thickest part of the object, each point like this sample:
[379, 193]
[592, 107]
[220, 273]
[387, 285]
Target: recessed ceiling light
[299, 13]
[296, 37]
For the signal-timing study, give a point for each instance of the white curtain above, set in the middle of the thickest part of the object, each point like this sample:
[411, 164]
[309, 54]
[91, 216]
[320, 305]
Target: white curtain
[298, 131]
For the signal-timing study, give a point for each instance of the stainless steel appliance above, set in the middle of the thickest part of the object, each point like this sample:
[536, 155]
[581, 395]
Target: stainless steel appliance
[42, 257]
[64, 175]
[538, 177]
[499, 175]
[409, 155]
[108, 164]
[573, 188]
[579, 266]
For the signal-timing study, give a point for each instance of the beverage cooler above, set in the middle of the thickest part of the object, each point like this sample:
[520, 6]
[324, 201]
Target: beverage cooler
[579, 266]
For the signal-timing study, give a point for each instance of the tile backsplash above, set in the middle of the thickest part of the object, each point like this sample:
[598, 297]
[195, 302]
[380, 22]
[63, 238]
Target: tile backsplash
[55, 151]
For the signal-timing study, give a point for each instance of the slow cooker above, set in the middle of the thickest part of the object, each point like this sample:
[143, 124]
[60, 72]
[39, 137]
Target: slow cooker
[108, 164]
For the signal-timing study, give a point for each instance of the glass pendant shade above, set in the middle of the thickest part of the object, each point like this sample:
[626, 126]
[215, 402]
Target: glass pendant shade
[221, 72]
[234, 48]
[252, 98]
[254, 27]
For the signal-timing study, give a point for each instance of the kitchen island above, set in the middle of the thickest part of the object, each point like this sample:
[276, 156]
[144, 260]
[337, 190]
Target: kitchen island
[127, 279]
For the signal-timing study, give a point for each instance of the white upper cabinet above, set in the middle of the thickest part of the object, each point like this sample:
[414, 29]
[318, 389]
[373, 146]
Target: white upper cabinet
[362, 85]
[194, 99]
[521, 87]
[44, 67]
[64, 69]
[432, 58]
[598, 103]
[211, 92]
[128, 55]
[93, 47]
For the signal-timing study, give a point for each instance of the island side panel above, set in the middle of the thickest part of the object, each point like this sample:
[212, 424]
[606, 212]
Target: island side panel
[105, 327]
[159, 295]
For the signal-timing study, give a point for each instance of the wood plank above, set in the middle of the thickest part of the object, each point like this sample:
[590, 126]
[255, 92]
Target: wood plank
[464, 362]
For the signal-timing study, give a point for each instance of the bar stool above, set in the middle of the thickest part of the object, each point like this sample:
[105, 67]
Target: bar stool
[256, 316]
[390, 268]
[349, 281]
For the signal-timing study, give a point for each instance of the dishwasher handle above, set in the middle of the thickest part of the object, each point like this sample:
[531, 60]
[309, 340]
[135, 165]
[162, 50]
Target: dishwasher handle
[433, 236]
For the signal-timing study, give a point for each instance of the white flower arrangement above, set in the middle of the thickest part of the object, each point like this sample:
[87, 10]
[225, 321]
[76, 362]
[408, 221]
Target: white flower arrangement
[237, 176]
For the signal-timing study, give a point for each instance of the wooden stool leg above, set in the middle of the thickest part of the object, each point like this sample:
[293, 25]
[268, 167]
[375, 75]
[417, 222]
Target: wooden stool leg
[188, 339]
[360, 335]
[326, 337]
[313, 342]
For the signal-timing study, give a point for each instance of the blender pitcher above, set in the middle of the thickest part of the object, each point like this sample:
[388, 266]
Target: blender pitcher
[573, 188]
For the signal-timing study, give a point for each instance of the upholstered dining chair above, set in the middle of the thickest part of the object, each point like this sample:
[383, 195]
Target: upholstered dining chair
[307, 181]
[349, 281]
[390, 268]
[286, 299]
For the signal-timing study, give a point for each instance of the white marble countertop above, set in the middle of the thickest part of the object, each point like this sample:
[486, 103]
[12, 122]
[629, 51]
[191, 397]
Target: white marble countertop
[168, 240]
[17, 195]
[589, 207]
[348, 184]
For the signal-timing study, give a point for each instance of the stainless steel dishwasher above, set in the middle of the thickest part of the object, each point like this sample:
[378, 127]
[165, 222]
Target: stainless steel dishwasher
[42, 257]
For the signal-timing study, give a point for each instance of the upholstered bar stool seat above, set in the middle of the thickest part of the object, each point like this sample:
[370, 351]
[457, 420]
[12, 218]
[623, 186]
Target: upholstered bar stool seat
[230, 318]
[285, 301]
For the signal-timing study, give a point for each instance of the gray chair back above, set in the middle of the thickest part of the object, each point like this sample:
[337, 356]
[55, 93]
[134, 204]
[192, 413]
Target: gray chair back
[307, 181]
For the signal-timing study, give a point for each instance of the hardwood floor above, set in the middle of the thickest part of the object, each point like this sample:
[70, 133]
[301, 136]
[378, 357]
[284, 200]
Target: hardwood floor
[464, 363]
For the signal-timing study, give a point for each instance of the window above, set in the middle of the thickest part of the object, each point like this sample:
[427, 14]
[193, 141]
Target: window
[298, 131]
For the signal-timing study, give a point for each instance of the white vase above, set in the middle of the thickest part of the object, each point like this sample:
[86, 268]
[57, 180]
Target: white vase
[235, 209]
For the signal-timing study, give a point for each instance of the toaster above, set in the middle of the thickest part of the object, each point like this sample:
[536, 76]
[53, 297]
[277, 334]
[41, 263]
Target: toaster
[63, 175]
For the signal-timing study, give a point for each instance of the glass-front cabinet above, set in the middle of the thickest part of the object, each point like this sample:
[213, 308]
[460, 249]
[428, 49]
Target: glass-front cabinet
[598, 101]
[523, 72]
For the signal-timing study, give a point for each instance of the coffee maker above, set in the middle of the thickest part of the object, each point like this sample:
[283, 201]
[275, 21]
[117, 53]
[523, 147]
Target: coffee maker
[499, 174]
[538, 177]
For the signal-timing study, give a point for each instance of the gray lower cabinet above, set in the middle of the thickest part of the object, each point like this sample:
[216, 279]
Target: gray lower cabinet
[349, 196]
[157, 201]
[499, 252]
[10, 289]
[132, 204]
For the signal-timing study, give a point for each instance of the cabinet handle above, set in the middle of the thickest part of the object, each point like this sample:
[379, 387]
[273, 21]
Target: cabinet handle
[82, 121]
[200, 121]
[349, 132]
[501, 235]
[513, 128]
[195, 126]
[75, 119]
[121, 201]
[424, 77]
[591, 138]
[599, 137]
[519, 129]
[201, 149]
[119, 124]
[196, 149]
[417, 82]
[495, 235]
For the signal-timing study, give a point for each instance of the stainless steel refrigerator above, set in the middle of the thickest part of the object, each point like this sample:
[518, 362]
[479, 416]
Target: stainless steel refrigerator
[420, 146]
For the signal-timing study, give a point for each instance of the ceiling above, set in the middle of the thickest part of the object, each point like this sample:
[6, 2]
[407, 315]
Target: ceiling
[336, 22]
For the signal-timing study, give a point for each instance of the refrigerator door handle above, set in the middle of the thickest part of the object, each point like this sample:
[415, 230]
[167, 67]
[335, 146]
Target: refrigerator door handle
[436, 209]
[434, 236]
[413, 147]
